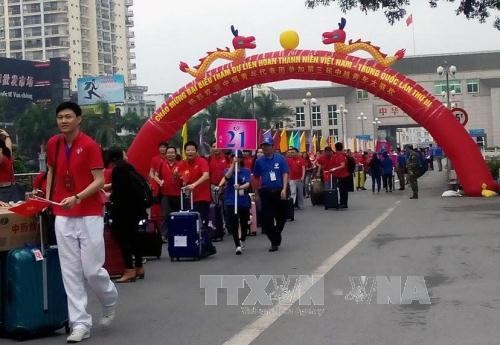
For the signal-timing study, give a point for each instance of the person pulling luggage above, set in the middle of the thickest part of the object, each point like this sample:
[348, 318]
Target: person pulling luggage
[272, 169]
[241, 187]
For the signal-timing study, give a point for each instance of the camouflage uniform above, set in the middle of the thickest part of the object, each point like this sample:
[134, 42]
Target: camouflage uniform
[413, 167]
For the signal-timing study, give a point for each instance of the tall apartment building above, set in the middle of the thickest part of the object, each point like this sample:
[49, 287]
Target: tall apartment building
[96, 35]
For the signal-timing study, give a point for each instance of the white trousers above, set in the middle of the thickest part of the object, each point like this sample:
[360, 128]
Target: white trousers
[297, 192]
[81, 253]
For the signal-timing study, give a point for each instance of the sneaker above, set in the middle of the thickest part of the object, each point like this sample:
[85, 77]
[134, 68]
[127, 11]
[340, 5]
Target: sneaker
[78, 334]
[273, 248]
[238, 250]
[108, 315]
[242, 245]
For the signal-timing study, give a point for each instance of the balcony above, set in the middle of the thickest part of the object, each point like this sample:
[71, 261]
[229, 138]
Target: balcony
[130, 13]
[131, 45]
[131, 56]
[129, 3]
[131, 34]
[133, 76]
[132, 66]
[129, 22]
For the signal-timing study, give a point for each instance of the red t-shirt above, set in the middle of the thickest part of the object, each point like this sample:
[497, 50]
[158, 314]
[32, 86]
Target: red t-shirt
[73, 173]
[248, 162]
[156, 162]
[107, 174]
[325, 162]
[295, 165]
[338, 159]
[40, 182]
[217, 165]
[190, 172]
[171, 182]
[6, 170]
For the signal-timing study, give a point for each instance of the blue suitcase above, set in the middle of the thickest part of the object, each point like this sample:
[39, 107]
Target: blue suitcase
[34, 300]
[184, 233]
[33, 305]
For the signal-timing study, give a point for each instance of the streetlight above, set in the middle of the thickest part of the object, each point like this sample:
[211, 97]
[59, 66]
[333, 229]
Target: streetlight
[447, 70]
[308, 101]
[376, 122]
[362, 118]
[342, 111]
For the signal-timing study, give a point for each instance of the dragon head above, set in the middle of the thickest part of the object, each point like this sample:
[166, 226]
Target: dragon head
[336, 36]
[242, 42]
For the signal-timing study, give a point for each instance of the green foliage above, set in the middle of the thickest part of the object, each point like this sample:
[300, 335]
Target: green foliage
[33, 128]
[395, 10]
[268, 112]
[494, 165]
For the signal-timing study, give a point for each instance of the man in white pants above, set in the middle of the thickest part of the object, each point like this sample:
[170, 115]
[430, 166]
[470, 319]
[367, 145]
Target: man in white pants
[75, 170]
[297, 166]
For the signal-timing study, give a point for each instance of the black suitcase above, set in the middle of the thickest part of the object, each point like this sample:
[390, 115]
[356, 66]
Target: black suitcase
[331, 195]
[289, 209]
[150, 239]
[216, 223]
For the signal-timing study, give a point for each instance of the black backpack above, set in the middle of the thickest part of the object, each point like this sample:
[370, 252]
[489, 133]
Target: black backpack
[351, 164]
[141, 189]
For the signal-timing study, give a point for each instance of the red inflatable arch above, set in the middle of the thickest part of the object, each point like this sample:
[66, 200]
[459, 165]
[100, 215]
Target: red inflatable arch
[336, 67]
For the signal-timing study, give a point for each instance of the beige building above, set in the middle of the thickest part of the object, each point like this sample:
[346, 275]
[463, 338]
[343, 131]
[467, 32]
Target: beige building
[475, 87]
[96, 35]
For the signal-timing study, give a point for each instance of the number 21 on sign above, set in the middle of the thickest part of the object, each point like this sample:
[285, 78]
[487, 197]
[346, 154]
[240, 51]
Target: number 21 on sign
[236, 134]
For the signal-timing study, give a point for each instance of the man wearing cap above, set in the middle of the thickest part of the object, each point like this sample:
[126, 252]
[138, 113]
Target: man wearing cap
[273, 171]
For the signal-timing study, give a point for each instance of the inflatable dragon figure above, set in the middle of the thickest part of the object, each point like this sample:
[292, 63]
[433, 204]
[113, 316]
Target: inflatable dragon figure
[240, 44]
[337, 37]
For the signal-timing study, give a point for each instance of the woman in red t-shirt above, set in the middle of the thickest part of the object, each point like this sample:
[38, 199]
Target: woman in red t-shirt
[7, 192]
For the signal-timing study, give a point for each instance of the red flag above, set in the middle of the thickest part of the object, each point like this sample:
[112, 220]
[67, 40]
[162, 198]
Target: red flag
[30, 207]
[409, 20]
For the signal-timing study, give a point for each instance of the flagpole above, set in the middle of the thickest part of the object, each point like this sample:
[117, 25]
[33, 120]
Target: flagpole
[413, 29]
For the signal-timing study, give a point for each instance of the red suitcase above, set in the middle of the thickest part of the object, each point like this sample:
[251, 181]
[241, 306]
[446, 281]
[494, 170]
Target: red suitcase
[113, 262]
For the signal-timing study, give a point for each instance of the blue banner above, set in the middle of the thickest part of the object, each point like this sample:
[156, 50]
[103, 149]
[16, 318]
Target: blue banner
[92, 90]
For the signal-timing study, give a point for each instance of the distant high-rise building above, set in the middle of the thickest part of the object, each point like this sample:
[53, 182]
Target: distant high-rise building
[95, 35]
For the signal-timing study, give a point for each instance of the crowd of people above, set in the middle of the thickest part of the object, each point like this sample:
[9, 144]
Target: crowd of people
[82, 179]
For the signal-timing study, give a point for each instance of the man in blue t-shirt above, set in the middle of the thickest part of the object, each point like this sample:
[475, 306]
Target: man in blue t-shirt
[438, 156]
[272, 170]
[401, 169]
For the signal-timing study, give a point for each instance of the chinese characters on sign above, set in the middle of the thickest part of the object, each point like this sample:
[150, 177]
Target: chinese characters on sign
[389, 111]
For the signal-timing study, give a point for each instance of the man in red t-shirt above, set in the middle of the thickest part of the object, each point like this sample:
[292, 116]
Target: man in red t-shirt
[156, 166]
[75, 165]
[325, 163]
[194, 173]
[170, 185]
[297, 166]
[217, 163]
[340, 171]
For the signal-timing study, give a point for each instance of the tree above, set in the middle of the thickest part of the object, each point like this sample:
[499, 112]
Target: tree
[103, 126]
[268, 112]
[235, 106]
[33, 128]
[395, 9]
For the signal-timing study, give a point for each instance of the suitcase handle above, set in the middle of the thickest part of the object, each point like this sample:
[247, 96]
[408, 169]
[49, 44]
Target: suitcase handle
[183, 192]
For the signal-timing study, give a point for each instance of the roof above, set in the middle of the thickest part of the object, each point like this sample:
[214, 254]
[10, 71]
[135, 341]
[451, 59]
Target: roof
[425, 64]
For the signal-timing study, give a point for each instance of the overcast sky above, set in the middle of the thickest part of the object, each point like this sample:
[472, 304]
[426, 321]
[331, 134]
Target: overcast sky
[168, 32]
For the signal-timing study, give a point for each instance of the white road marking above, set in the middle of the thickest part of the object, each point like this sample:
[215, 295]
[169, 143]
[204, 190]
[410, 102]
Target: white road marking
[250, 332]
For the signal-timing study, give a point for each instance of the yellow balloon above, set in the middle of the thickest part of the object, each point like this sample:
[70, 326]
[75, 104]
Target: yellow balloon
[289, 39]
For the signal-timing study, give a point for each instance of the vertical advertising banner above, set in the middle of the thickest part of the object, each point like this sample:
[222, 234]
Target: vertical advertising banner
[92, 90]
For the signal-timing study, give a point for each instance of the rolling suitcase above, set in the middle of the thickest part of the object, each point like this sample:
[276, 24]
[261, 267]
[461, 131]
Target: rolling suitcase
[215, 223]
[113, 262]
[184, 234]
[150, 239]
[317, 190]
[35, 301]
[290, 209]
[331, 195]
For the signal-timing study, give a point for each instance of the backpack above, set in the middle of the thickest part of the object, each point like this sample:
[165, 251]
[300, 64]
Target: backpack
[142, 191]
[423, 166]
[351, 164]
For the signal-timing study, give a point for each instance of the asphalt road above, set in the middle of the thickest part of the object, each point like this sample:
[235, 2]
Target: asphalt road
[452, 244]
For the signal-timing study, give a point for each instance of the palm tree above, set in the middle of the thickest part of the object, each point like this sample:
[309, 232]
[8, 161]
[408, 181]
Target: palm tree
[103, 126]
[235, 106]
[268, 111]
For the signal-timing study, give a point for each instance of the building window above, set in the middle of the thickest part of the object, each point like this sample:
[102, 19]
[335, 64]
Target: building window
[440, 86]
[316, 116]
[334, 132]
[332, 115]
[362, 94]
[300, 119]
[473, 86]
